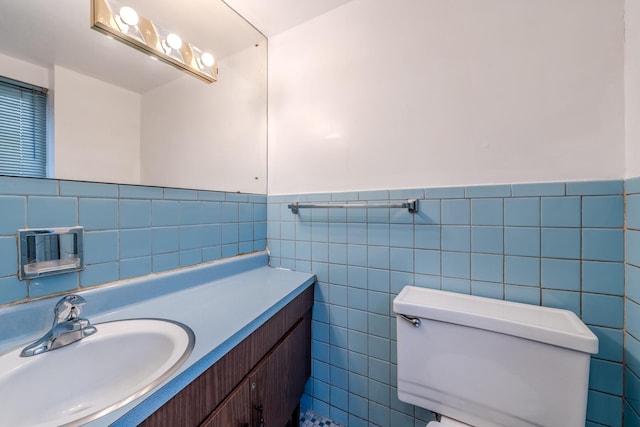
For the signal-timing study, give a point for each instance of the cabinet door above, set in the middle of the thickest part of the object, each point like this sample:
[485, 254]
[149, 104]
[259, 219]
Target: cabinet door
[277, 383]
[234, 411]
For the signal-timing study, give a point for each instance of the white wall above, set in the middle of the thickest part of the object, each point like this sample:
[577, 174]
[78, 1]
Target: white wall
[632, 87]
[417, 93]
[221, 142]
[96, 129]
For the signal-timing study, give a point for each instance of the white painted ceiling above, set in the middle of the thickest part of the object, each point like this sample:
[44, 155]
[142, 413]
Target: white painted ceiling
[274, 16]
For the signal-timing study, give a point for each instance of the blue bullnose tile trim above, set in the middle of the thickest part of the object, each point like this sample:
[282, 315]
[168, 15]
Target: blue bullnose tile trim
[410, 193]
[374, 195]
[595, 188]
[139, 192]
[180, 194]
[342, 197]
[538, 190]
[317, 197]
[488, 191]
[282, 198]
[236, 197]
[445, 193]
[28, 186]
[88, 189]
[211, 196]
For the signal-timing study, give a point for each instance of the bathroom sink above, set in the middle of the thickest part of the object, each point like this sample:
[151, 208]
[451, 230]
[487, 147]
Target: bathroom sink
[85, 380]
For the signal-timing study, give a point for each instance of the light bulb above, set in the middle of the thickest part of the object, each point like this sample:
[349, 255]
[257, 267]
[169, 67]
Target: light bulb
[207, 59]
[174, 41]
[128, 16]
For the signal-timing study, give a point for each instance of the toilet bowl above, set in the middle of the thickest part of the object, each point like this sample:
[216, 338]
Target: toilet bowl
[491, 363]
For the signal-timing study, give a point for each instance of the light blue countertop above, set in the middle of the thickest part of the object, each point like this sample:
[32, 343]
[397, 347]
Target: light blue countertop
[222, 302]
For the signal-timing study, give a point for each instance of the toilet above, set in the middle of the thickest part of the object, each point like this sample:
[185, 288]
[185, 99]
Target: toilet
[483, 362]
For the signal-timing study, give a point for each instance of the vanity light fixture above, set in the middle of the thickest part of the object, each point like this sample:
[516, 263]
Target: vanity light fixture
[126, 25]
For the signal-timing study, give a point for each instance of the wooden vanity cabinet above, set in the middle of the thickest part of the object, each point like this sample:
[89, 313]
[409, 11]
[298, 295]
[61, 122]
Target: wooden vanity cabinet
[262, 377]
[235, 411]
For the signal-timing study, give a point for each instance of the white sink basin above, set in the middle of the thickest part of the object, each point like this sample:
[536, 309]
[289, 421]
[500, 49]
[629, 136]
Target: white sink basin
[75, 384]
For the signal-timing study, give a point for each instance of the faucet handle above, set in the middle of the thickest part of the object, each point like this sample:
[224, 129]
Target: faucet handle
[68, 308]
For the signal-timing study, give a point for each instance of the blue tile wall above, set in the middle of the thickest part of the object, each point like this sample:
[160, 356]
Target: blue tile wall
[130, 230]
[556, 244]
[632, 302]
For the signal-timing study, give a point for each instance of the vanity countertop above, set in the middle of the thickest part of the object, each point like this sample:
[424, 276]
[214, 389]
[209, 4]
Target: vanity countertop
[222, 303]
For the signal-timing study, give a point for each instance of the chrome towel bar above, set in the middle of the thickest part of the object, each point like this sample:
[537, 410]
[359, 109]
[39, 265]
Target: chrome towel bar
[410, 204]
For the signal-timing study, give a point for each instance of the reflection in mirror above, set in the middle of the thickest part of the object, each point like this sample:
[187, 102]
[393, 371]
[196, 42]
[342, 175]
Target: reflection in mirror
[124, 24]
[117, 116]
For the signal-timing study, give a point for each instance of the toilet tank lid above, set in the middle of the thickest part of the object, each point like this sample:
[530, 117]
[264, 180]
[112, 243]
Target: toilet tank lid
[544, 324]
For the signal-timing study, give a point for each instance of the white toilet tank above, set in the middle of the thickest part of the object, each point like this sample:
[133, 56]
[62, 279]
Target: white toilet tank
[488, 362]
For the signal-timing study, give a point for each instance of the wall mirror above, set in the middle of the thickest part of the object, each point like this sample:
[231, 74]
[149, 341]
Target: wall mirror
[118, 116]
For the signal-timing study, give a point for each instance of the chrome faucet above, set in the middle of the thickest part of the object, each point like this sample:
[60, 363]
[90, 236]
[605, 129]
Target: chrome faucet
[67, 327]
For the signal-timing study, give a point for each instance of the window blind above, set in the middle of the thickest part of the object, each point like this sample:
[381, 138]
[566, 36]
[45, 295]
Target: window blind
[23, 129]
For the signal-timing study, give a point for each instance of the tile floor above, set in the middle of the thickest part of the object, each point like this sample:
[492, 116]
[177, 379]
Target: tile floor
[309, 418]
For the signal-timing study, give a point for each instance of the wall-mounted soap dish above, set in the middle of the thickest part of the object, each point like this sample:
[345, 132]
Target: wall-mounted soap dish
[47, 251]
